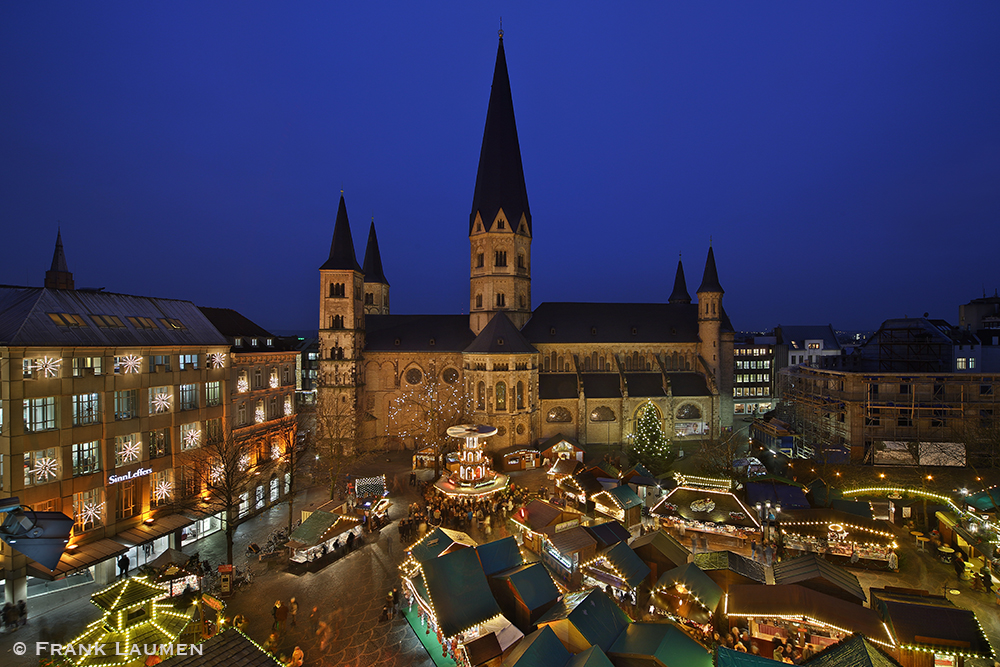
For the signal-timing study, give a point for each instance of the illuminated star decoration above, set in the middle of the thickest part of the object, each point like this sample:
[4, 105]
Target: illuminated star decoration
[217, 360]
[91, 513]
[288, 408]
[242, 385]
[275, 452]
[48, 366]
[274, 382]
[192, 438]
[130, 451]
[131, 363]
[162, 490]
[244, 461]
[215, 474]
[161, 402]
[258, 414]
[45, 468]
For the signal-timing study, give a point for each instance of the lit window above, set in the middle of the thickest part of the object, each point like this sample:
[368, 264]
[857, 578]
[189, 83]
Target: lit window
[86, 458]
[86, 409]
[39, 414]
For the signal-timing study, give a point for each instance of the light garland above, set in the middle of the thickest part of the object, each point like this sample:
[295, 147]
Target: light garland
[48, 366]
[215, 474]
[803, 618]
[275, 452]
[161, 402]
[244, 462]
[217, 360]
[273, 382]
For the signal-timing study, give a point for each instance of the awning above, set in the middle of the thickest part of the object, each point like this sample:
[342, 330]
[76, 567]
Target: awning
[160, 527]
[80, 558]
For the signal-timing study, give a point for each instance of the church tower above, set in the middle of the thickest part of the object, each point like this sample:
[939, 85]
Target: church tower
[341, 333]
[376, 285]
[710, 316]
[680, 294]
[500, 222]
[59, 276]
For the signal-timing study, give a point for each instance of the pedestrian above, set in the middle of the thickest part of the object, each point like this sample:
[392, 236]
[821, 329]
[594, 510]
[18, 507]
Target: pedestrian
[395, 599]
[314, 621]
[413, 478]
[681, 529]
[123, 566]
[753, 549]
[297, 657]
[293, 609]
[694, 544]
[768, 554]
[985, 572]
[959, 565]
[388, 543]
[280, 613]
[22, 610]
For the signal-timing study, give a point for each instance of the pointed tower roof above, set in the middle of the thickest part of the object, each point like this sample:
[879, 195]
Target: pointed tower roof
[710, 281]
[500, 180]
[59, 257]
[342, 248]
[59, 276]
[373, 259]
[500, 336]
[680, 293]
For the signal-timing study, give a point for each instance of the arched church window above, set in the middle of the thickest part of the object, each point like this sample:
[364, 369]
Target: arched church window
[642, 409]
[479, 301]
[519, 395]
[501, 300]
[369, 299]
[414, 376]
[520, 261]
[450, 375]
[500, 258]
[501, 395]
[481, 396]
[602, 413]
[524, 302]
[480, 260]
[688, 411]
[558, 414]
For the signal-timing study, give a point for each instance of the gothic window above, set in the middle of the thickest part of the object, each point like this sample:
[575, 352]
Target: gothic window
[559, 414]
[688, 411]
[501, 224]
[479, 301]
[480, 260]
[602, 414]
[369, 299]
[414, 376]
[501, 392]
[337, 290]
[520, 261]
[500, 258]
[643, 408]
[519, 395]
[337, 322]
[501, 300]
[481, 396]
[524, 302]
[450, 375]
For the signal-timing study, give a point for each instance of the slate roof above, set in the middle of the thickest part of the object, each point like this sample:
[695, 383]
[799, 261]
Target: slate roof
[688, 384]
[710, 279]
[597, 618]
[458, 590]
[230, 648]
[59, 256]
[500, 178]
[559, 437]
[664, 543]
[231, 323]
[575, 322]
[734, 562]
[539, 649]
[680, 293]
[126, 593]
[609, 533]
[645, 384]
[342, 254]
[24, 319]
[696, 581]
[855, 651]
[373, 259]
[499, 555]
[415, 333]
[665, 642]
[795, 336]
[627, 562]
[808, 567]
[601, 385]
[320, 527]
[557, 385]
[538, 514]
[532, 583]
[565, 467]
[500, 336]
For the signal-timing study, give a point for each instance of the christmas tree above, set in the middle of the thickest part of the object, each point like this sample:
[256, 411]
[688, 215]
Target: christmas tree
[650, 446]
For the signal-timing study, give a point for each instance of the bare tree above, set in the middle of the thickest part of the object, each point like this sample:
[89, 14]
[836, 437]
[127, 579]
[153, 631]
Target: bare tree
[339, 445]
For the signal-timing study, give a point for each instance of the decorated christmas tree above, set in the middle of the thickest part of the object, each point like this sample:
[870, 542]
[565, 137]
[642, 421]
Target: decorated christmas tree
[650, 446]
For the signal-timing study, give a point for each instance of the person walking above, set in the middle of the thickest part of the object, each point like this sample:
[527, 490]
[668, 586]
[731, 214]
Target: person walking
[388, 543]
[314, 621]
[298, 656]
[123, 563]
[753, 549]
[280, 614]
[769, 554]
[694, 544]
[22, 610]
[959, 565]
[293, 609]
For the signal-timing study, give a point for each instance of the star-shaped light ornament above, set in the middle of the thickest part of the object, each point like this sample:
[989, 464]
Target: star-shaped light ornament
[131, 363]
[215, 474]
[92, 513]
[45, 468]
[161, 402]
[288, 408]
[274, 382]
[258, 415]
[192, 438]
[48, 366]
[275, 452]
[130, 451]
[217, 360]
[244, 461]
[162, 490]
[243, 385]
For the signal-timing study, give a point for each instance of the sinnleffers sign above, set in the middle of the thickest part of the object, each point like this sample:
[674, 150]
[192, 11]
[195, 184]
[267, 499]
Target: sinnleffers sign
[131, 474]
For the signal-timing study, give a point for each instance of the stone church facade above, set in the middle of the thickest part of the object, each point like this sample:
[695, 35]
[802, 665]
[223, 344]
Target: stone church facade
[582, 370]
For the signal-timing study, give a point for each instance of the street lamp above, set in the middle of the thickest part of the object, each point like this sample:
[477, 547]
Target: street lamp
[765, 516]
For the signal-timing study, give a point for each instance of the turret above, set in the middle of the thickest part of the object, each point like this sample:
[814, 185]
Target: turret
[59, 276]
[376, 284]
[710, 315]
[680, 294]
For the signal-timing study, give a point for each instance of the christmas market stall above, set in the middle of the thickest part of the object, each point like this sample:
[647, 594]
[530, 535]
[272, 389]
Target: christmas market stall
[727, 568]
[813, 571]
[563, 468]
[586, 618]
[370, 494]
[617, 566]
[796, 617]
[134, 616]
[660, 551]
[560, 446]
[578, 489]
[320, 539]
[688, 596]
[175, 570]
[708, 510]
[840, 536]
[621, 504]
[519, 457]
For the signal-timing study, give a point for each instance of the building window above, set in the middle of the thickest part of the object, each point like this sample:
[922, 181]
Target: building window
[42, 466]
[519, 394]
[190, 436]
[414, 376]
[189, 396]
[237, 342]
[337, 290]
[520, 261]
[125, 507]
[159, 443]
[906, 389]
[88, 510]
[479, 301]
[501, 397]
[480, 261]
[86, 409]
[160, 362]
[259, 415]
[258, 377]
[161, 488]
[689, 411]
[190, 482]
[905, 418]
[289, 409]
[39, 414]
[270, 342]
[481, 396]
[241, 414]
[126, 404]
[188, 361]
[127, 450]
[87, 366]
[337, 322]
[128, 364]
[242, 383]
[86, 458]
[602, 414]
[559, 414]
[213, 394]
[500, 258]
[159, 400]
[286, 375]
[369, 299]
[501, 300]
[273, 379]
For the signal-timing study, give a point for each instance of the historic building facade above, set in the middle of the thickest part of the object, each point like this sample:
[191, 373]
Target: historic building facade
[580, 369]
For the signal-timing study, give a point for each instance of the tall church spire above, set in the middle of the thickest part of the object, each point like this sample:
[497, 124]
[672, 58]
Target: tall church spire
[500, 180]
[373, 259]
[680, 293]
[342, 248]
[710, 281]
[59, 275]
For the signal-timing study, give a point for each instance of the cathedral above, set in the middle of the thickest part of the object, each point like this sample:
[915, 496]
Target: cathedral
[579, 370]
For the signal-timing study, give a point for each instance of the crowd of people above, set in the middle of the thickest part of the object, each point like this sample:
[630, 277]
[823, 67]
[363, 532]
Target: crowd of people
[481, 515]
[15, 615]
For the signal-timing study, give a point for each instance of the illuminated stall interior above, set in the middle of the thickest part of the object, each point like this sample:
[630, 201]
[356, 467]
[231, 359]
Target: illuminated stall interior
[714, 511]
[687, 595]
[837, 535]
[617, 566]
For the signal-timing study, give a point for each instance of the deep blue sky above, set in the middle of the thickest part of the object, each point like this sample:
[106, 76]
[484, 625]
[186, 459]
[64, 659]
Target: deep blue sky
[844, 157]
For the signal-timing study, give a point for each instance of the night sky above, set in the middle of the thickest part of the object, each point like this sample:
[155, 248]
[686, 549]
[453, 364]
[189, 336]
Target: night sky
[844, 158]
